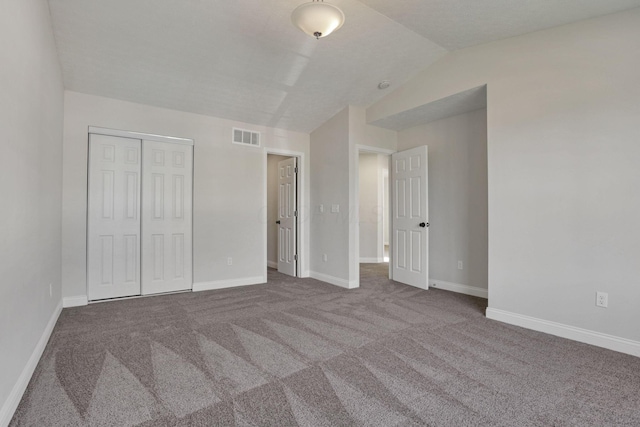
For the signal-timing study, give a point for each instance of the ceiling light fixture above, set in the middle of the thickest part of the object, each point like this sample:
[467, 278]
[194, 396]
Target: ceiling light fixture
[317, 18]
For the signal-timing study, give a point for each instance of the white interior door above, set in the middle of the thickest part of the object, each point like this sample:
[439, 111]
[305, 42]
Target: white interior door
[166, 217]
[113, 220]
[287, 212]
[410, 257]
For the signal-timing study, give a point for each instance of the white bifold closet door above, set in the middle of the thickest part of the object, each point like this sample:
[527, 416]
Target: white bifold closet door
[113, 221]
[166, 217]
[139, 217]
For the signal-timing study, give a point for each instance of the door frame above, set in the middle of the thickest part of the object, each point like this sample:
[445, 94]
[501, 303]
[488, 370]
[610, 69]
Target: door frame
[302, 269]
[375, 150]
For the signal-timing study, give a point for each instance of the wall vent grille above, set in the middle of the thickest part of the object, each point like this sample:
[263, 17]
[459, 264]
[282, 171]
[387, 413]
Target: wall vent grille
[246, 137]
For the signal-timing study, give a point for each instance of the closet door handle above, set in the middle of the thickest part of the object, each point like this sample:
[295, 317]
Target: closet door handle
[423, 225]
[278, 222]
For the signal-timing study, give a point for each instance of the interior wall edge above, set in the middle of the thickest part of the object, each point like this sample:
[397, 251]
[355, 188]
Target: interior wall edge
[75, 301]
[459, 288]
[336, 281]
[231, 283]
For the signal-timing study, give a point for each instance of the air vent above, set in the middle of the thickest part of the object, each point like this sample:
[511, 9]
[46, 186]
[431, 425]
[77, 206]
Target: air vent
[246, 137]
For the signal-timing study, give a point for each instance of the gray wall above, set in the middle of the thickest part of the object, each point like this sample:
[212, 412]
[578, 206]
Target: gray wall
[229, 203]
[330, 186]
[272, 208]
[31, 108]
[457, 195]
[562, 123]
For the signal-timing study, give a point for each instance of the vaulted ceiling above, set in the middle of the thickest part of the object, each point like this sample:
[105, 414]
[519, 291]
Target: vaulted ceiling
[243, 59]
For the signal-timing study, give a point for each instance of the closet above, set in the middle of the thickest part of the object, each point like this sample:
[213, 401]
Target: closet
[139, 214]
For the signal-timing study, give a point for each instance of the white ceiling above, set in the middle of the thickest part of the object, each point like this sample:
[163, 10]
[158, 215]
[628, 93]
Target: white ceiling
[244, 60]
[456, 24]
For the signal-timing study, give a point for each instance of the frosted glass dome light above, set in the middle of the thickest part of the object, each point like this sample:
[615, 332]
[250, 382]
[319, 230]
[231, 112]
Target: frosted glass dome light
[317, 18]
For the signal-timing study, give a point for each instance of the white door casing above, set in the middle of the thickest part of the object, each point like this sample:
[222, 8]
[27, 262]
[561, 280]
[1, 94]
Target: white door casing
[287, 215]
[167, 184]
[113, 217]
[410, 217]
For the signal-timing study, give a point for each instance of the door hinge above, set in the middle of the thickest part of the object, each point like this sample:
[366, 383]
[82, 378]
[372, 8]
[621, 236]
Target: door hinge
[295, 213]
[295, 169]
[295, 257]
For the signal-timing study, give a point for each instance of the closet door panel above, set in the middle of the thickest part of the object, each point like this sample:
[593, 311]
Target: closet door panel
[113, 217]
[166, 217]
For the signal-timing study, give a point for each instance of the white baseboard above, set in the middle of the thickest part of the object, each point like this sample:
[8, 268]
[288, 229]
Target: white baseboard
[230, 283]
[598, 339]
[334, 280]
[461, 289]
[372, 260]
[11, 404]
[272, 264]
[77, 301]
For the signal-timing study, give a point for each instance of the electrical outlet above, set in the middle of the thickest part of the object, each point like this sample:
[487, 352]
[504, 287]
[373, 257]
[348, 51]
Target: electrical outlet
[50, 290]
[324, 257]
[602, 299]
[335, 208]
[229, 261]
[459, 265]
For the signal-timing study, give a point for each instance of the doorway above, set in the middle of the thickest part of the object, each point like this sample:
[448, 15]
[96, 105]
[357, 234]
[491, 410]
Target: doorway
[385, 214]
[373, 202]
[406, 213]
[282, 214]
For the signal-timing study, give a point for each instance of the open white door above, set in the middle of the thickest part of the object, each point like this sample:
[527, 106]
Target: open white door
[287, 213]
[113, 217]
[166, 217]
[409, 188]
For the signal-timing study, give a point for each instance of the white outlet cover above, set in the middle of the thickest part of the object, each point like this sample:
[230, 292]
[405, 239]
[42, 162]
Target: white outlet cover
[335, 208]
[602, 299]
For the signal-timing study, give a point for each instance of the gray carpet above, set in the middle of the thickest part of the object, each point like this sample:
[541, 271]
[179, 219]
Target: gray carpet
[301, 352]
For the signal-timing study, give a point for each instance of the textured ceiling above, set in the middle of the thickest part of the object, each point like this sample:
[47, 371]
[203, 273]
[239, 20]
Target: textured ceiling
[244, 60]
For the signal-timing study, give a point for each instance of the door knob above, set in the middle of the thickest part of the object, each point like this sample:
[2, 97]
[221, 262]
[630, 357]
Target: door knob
[278, 222]
[423, 225]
